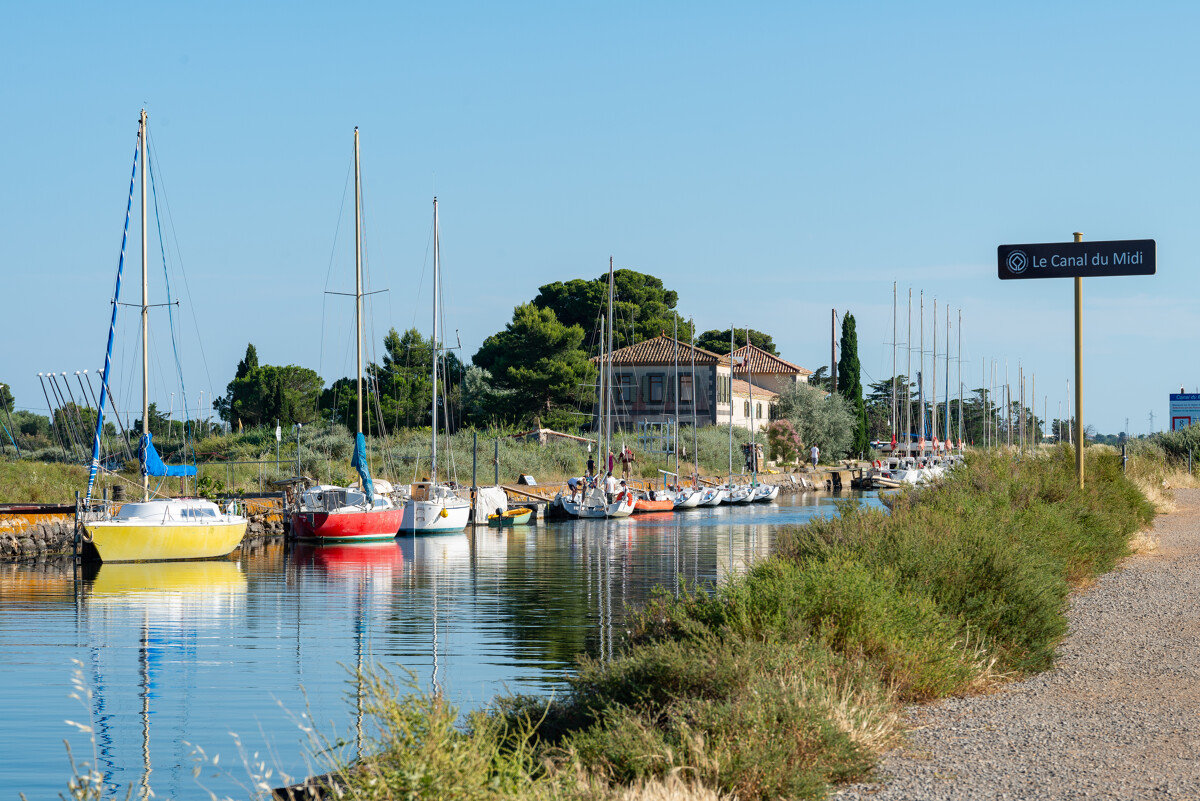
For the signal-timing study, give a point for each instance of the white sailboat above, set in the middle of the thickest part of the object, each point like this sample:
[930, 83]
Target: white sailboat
[596, 502]
[156, 528]
[433, 507]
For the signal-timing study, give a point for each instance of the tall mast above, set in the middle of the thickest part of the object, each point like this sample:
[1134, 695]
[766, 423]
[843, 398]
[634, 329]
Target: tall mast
[893, 420]
[750, 389]
[695, 435]
[433, 346]
[731, 349]
[608, 368]
[921, 383]
[960, 386]
[908, 381]
[358, 331]
[145, 312]
[676, 390]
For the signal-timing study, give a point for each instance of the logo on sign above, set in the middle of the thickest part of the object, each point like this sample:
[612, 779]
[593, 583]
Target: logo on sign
[1017, 262]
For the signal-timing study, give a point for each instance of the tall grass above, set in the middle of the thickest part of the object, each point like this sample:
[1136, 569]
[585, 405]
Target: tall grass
[790, 679]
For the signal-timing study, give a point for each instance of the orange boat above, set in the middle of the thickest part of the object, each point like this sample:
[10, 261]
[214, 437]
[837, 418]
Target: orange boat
[647, 505]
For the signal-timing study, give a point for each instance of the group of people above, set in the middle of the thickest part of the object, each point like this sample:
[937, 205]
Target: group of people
[609, 483]
[627, 459]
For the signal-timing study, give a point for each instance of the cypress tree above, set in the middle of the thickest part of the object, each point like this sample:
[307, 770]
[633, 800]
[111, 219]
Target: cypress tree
[849, 384]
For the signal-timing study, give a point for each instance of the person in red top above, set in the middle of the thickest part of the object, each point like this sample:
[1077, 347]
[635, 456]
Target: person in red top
[626, 460]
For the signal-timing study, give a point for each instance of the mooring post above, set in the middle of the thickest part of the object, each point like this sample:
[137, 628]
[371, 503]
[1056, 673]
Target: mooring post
[1125, 459]
[496, 461]
[474, 464]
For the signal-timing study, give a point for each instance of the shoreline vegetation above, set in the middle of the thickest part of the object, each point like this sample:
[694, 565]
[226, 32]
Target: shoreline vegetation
[791, 679]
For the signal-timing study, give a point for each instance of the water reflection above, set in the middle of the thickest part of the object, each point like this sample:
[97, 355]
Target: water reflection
[188, 652]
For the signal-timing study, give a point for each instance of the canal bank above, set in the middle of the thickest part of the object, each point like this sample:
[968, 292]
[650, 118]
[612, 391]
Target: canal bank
[790, 679]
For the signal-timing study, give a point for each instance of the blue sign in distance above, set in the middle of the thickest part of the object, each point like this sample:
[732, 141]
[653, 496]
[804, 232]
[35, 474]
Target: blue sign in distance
[1077, 259]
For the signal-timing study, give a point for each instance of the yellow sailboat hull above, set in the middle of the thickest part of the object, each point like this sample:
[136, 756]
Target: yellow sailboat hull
[135, 541]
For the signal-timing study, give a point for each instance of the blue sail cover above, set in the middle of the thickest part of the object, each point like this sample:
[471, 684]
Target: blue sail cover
[152, 463]
[359, 463]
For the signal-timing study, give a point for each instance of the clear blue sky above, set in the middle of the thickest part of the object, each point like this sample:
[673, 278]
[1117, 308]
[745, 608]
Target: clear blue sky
[769, 161]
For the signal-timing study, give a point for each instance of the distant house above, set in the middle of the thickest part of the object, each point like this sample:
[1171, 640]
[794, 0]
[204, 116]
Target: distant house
[646, 381]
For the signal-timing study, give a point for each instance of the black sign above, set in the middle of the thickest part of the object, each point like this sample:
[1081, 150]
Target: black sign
[1070, 259]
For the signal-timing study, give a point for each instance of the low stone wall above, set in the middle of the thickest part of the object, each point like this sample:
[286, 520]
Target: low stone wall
[32, 532]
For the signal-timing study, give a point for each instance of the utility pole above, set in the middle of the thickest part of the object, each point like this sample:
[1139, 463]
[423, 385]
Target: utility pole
[832, 352]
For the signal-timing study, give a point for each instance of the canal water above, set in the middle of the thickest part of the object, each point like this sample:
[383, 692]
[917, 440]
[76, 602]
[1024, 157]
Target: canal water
[230, 657]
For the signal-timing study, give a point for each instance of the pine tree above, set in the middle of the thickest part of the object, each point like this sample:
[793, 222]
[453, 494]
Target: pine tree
[849, 384]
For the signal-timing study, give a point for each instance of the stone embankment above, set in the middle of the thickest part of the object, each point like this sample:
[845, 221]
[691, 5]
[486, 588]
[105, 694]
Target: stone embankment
[1117, 716]
[38, 531]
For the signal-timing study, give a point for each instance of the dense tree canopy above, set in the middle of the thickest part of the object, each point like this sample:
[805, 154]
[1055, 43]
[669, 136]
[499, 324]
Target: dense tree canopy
[718, 341]
[260, 395]
[400, 391]
[643, 308]
[539, 365]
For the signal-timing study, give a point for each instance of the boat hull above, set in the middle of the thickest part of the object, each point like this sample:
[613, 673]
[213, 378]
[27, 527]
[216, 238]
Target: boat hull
[434, 517]
[151, 541]
[351, 526]
[508, 519]
[644, 505]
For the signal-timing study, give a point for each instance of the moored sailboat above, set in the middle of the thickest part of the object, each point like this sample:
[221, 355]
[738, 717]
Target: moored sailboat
[433, 507]
[156, 528]
[359, 513]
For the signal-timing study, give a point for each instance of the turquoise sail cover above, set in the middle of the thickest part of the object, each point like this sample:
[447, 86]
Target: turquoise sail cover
[359, 463]
[153, 465]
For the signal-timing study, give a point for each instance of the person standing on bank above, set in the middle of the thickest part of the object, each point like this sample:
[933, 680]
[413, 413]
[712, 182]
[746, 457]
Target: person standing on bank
[815, 453]
[591, 465]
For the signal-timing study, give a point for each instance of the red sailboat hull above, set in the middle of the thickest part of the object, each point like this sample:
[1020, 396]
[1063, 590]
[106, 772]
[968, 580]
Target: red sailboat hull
[376, 524]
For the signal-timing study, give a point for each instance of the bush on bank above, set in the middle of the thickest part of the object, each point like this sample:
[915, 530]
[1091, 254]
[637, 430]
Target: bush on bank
[790, 679]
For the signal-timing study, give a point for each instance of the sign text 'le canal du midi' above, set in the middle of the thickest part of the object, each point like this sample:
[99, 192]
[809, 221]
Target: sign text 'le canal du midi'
[1082, 259]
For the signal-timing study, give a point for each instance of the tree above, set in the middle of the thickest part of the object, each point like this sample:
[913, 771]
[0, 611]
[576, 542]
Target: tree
[819, 419]
[537, 359]
[820, 378]
[7, 401]
[849, 386]
[643, 308]
[260, 395]
[249, 362]
[718, 341]
[783, 440]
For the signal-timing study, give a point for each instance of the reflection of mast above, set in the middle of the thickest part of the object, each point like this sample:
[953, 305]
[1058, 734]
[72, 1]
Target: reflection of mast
[360, 626]
[437, 688]
[144, 657]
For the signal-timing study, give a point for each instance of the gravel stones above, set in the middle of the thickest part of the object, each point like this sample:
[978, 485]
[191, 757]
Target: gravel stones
[1117, 717]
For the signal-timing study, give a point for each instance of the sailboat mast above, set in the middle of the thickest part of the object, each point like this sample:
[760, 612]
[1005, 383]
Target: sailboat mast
[676, 391]
[960, 386]
[695, 435]
[750, 389]
[433, 345]
[358, 332]
[731, 349]
[145, 313]
[908, 381]
[608, 369]
[894, 409]
[921, 383]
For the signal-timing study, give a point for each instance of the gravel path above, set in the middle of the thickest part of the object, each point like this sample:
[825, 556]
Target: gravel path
[1118, 717]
